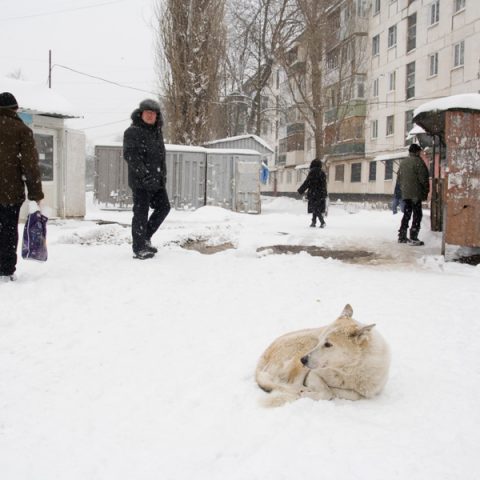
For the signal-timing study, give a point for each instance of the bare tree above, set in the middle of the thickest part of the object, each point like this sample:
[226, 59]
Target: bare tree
[260, 29]
[190, 51]
[332, 52]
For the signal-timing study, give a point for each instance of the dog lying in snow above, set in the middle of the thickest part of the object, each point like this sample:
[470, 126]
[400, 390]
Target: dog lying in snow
[342, 360]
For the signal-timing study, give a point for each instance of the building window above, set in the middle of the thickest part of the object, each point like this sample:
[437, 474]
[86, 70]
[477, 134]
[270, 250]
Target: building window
[374, 128]
[375, 87]
[459, 5]
[44, 144]
[392, 80]
[411, 32]
[289, 177]
[433, 61]
[376, 45]
[458, 54]
[388, 169]
[376, 7]
[360, 83]
[339, 173]
[361, 8]
[390, 125]
[356, 173]
[410, 80]
[372, 171]
[408, 125]
[392, 36]
[332, 59]
[435, 12]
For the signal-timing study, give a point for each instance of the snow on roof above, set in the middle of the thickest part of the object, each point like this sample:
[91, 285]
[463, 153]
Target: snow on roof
[416, 130]
[242, 137]
[38, 99]
[391, 156]
[170, 147]
[465, 101]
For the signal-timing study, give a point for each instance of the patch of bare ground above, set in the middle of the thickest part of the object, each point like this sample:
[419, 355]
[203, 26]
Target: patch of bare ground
[349, 256]
[202, 246]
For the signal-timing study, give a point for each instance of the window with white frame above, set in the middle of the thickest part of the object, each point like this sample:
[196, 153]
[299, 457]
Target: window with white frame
[459, 5]
[390, 125]
[376, 7]
[411, 32]
[459, 54]
[289, 177]
[376, 45]
[360, 86]
[433, 64]
[392, 36]
[392, 81]
[361, 8]
[374, 128]
[410, 80]
[356, 173]
[375, 87]
[339, 173]
[434, 12]
[388, 169]
[408, 124]
[372, 171]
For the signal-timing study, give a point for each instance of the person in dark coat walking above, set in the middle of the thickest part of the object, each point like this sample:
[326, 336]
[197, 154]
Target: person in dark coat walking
[144, 152]
[18, 168]
[316, 187]
[414, 181]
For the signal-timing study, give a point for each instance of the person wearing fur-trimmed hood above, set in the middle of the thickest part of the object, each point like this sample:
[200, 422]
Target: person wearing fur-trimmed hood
[316, 187]
[144, 152]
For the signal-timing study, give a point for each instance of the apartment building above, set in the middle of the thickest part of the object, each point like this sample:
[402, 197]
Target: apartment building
[416, 50]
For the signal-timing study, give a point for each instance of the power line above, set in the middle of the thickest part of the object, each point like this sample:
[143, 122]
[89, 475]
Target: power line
[104, 79]
[60, 11]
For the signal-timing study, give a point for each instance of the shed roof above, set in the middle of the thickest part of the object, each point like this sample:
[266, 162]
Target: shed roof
[242, 137]
[38, 99]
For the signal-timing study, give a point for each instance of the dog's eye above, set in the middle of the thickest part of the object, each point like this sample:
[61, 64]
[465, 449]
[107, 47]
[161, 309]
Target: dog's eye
[327, 345]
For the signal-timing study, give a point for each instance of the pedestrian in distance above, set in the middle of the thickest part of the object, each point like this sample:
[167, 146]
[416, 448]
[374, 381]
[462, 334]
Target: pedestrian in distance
[19, 168]
[413, 178]
[397, 201]
[316, 187]
[144, 152]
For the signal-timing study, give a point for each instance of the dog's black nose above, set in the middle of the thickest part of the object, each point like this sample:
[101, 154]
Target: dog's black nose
[304, 360]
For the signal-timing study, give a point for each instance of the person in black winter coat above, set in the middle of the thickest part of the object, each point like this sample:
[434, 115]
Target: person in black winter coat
[144, 152]
[316, 187]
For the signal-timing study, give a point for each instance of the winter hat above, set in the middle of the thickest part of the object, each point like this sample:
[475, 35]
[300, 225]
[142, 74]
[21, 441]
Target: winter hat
[414, 148]
[149, 104]
[316, 163]
[7, 100]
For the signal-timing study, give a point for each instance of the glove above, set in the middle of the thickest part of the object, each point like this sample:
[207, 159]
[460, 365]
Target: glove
[150, 183]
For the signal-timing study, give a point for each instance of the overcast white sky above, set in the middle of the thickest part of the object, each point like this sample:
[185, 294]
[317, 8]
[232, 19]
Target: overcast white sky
[112, 39]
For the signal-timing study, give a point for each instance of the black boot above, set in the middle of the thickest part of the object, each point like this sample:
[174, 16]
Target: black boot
[402, 236]
[414, 238]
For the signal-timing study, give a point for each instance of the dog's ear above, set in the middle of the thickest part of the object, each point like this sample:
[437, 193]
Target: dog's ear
[347, 311]
[361, 334]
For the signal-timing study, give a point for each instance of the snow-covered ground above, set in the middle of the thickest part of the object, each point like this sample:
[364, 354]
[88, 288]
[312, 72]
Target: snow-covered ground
[119, 369]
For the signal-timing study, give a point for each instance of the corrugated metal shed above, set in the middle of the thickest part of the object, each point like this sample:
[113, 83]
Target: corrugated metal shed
[196, 176]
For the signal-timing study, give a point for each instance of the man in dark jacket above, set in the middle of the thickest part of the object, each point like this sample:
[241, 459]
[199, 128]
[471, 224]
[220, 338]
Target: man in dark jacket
[316, 187]
[18, 168]
[144, 151]
[413, 178]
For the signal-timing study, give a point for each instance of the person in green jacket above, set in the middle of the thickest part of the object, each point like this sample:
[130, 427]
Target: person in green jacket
[414, 181]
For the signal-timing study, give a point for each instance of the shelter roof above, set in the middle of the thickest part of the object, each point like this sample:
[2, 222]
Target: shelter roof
[38, 99]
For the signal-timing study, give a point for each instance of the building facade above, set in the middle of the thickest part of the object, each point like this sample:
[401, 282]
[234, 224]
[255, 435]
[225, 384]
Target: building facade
[386, 58]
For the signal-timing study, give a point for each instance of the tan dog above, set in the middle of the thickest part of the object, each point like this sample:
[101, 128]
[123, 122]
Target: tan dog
[342, 360]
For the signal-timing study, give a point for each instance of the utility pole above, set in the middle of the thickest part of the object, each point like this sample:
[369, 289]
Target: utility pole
[49, 69]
